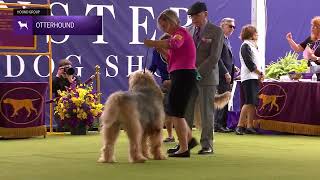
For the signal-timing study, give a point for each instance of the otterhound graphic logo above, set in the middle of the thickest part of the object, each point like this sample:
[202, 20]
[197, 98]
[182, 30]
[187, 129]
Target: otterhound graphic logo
[23, 25]
[21, 105]
[272, 100]
[18, 104]
[269, 99]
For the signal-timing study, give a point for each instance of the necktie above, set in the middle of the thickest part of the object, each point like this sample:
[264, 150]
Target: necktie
[228, 43]
[196, 36]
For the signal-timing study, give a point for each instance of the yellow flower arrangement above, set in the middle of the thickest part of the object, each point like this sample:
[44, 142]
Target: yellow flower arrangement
[78, 104]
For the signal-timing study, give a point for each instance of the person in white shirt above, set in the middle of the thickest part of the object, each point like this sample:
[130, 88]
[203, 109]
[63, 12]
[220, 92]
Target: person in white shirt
[251, 74]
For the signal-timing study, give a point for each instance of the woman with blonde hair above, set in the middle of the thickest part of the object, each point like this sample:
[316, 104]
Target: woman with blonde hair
[310, 46]
[159, 63]
[182, 68]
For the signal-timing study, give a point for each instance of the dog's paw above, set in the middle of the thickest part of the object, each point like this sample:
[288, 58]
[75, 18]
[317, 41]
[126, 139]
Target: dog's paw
[102, 160]
[147, 156]
[142, 160]
[139, 159]
[160, 157]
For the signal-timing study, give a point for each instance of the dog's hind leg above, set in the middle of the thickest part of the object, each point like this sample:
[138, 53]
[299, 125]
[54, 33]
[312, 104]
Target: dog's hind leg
[156, 142]
[134, 131]
[110, 136]
[29, 112]
[145, 147]
[274, 102]
[34, 109]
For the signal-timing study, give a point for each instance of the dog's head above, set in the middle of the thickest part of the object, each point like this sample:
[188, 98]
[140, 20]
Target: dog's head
[6, 100]
[261, 96]
[141, 79]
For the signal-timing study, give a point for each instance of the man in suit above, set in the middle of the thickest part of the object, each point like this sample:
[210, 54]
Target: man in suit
[226, 67]
[208, 39]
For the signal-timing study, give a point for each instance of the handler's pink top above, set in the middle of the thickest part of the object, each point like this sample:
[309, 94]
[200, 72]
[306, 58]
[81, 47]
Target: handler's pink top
[182, 51]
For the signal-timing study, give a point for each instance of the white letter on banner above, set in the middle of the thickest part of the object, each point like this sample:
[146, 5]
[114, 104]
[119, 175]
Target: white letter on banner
[130, 65]
[36, 66]
[135, 24]
[113, 66]
[66, 9]
[79, 72]
[100, 13]
[9, 66]
[177, 10]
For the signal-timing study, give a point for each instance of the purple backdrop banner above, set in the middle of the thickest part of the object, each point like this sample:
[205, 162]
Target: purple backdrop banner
[119, 51]
[288, 16]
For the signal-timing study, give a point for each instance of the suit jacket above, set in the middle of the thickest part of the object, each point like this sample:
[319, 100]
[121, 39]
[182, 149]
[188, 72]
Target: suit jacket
[208, 53]
[225, 63]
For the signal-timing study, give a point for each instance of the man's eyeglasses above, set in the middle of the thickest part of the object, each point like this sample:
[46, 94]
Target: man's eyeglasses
[231, 26]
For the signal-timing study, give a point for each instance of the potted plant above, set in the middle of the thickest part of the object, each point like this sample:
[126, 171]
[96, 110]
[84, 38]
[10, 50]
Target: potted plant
[287, 65]
[77, 108]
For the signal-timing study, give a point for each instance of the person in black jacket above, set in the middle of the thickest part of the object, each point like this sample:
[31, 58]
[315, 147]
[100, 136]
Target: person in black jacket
[64, 78]
[226, 69]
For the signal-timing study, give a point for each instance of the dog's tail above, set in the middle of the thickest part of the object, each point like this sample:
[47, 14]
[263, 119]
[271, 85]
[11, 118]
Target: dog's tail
[112, 107]
[222, 100]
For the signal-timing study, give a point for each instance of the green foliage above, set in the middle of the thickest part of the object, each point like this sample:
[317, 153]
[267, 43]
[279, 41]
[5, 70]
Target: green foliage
[284, 65]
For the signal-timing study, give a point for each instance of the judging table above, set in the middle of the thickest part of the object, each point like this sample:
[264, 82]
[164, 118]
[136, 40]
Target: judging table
[22, 109]
[290, 107]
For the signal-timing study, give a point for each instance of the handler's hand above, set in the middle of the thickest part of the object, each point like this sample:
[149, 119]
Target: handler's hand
[148, 42]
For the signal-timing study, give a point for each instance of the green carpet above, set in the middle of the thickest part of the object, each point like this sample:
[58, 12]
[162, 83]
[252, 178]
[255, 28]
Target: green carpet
[237, 157]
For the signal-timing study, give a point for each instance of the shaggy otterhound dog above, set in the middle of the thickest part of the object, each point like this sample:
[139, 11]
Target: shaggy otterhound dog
[140, 113]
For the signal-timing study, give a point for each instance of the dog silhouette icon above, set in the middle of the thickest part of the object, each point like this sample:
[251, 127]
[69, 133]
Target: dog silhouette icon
[23, 25]
[19, 104]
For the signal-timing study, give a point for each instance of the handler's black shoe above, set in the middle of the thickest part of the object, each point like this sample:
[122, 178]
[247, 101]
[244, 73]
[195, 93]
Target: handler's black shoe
[205, 151]
[251, 131]
[185, 154]
[240, 130]
[192, 143]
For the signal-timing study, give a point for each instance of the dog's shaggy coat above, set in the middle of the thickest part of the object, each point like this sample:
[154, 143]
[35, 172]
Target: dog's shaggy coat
[140, 113]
